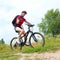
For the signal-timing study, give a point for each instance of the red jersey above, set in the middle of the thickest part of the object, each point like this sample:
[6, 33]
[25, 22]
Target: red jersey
[21, 21]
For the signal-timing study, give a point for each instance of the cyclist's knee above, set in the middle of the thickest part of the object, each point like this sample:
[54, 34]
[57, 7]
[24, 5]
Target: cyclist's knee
[22, 31]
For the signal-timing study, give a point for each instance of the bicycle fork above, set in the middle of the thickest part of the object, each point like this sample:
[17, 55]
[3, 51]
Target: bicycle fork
[35, 38]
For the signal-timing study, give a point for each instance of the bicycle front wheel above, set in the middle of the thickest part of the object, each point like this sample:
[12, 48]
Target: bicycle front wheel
[36, 40]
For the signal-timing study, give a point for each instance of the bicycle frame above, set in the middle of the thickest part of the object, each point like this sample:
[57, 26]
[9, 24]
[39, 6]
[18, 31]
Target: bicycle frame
[32, 36]
[26, 34]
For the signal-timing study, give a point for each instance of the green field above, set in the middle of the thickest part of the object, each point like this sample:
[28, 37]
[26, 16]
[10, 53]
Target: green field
[6, 53]
[51, 44]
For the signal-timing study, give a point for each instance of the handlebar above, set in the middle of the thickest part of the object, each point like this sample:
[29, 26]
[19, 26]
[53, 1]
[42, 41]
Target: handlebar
[30, 25]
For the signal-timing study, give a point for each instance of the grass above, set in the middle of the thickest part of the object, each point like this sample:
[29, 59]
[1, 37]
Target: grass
[51, 44]
[6, 53]
[6, 57]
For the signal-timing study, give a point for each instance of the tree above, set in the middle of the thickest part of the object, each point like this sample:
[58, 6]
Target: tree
[2, 41]
[51, 22]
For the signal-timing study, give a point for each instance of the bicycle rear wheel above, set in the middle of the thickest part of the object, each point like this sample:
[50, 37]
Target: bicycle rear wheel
[36, 40]
[14, 44]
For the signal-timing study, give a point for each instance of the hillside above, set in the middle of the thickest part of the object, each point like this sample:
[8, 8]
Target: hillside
[51, 45]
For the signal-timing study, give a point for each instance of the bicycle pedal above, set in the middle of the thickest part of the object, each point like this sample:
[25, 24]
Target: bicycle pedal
[21, 44]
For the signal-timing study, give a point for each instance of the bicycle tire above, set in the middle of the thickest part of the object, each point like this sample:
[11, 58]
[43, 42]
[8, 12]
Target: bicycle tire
[12, 42]
[43, 40]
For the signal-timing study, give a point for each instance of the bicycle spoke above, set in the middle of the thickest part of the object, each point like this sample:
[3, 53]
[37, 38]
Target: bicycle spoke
[14, 44]
[36, 40]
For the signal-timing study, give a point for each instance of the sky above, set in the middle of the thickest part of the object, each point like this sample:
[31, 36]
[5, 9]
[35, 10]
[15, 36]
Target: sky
[36, 10]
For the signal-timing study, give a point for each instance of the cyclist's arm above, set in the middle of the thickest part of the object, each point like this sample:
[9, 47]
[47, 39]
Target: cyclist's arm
[17, 21]
[28, 23]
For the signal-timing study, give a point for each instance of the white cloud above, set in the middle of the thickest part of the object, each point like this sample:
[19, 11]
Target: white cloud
[35, 8]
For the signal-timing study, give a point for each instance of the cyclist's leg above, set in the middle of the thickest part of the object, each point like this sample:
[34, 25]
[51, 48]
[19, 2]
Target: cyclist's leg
[21, 31]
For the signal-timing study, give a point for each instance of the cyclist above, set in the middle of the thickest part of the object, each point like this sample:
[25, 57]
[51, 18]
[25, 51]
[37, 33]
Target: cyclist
[17, 23]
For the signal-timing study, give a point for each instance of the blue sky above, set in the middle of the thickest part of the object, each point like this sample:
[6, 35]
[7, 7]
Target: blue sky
[10, 8]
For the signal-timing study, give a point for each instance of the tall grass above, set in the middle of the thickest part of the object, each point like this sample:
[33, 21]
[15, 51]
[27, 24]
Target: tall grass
[51, 44]
[6, 53]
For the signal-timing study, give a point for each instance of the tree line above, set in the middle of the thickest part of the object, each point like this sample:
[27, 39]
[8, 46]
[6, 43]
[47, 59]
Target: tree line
[50, 22]
[2, 41]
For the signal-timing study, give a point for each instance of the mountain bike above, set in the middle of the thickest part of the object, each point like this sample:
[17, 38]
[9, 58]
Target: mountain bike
[34, 39]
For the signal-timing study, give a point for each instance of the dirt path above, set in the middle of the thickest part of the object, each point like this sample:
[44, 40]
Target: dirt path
[40, 56]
